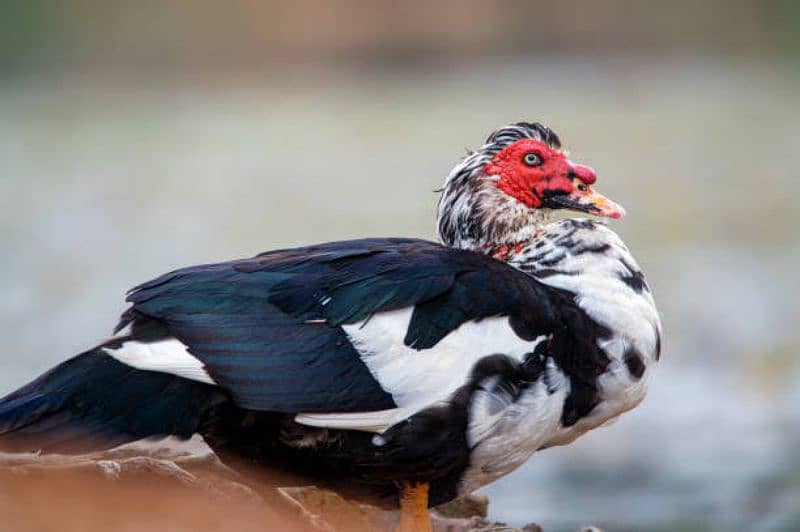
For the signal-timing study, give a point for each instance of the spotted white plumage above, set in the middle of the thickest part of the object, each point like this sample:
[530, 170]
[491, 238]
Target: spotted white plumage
[591, 261]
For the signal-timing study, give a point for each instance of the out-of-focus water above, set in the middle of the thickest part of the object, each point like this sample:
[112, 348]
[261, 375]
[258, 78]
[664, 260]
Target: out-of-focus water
[105, 184]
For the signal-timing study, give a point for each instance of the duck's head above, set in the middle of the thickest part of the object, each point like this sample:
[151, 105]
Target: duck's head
[503, 192]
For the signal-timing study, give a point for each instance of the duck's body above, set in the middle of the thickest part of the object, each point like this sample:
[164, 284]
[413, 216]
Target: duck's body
[375, 365]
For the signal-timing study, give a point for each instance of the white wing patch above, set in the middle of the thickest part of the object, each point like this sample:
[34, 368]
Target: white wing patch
[417, 379]
[165, 356]
[421, 377]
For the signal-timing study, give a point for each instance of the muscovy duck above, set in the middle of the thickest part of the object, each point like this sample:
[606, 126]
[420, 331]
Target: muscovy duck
[394, 370]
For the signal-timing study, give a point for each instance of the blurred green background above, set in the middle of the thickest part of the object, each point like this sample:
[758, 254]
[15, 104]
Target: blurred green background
[141, 137]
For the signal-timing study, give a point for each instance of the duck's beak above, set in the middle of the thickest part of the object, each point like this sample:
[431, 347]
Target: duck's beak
[585, 199]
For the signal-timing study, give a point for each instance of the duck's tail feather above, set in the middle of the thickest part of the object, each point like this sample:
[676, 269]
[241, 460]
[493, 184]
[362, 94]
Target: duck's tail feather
[94, 402]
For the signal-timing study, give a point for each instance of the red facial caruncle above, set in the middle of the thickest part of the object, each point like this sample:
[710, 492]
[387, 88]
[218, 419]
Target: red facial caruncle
[529, 168]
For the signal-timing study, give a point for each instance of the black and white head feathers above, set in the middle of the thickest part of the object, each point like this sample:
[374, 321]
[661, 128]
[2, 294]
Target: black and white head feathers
[473, 213]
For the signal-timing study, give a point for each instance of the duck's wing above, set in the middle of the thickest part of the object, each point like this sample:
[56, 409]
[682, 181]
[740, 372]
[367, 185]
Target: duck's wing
[301, 330]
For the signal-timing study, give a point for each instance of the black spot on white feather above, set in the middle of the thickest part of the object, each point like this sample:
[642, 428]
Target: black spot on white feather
[633, 361]
[581, 223]
[549, 272]
[633, 278]
[553, 261]
[599, 248]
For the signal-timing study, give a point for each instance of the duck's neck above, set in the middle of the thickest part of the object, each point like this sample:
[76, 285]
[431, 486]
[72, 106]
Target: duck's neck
[494, 236]
[506, 246]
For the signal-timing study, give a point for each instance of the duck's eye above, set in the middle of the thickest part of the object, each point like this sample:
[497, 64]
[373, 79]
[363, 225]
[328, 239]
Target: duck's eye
[532, 159]
[582, 187]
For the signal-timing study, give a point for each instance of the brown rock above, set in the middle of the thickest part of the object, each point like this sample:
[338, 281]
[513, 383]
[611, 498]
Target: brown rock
[160, 488]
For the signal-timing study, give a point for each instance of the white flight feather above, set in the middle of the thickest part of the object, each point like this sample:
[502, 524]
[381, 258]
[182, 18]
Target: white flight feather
[377, 421]
[165, 356]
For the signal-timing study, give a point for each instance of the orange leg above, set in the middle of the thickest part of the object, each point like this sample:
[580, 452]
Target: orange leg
[414, 508]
